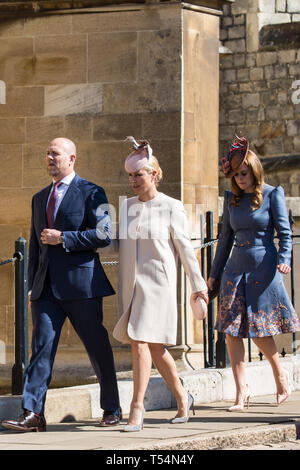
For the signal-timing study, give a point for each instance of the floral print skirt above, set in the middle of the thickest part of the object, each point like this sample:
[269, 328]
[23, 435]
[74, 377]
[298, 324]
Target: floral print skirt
[235, 319]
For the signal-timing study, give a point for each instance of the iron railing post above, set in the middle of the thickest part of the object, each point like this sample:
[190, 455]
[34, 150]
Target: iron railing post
[222, 359]
[211, 313]
[21, 316]
[294, 346]
[205, 352]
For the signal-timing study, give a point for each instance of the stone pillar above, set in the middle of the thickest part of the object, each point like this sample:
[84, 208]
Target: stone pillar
[199, 130]
[96, 76]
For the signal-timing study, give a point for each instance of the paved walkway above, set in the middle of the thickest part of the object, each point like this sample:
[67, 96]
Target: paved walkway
[213, 427]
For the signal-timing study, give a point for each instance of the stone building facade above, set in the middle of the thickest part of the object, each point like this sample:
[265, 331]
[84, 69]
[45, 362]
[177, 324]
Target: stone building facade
[260, 98]
[96, 75]
[260, 84]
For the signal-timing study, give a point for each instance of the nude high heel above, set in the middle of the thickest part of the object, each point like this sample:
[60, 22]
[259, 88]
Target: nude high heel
[281, 397]
[246, 399]
[135, 427]
[184, 419]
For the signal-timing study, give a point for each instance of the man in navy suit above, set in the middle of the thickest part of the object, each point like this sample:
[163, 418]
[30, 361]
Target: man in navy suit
[66, 279]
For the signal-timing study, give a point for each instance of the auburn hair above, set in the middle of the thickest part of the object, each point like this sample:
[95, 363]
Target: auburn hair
[253, 163]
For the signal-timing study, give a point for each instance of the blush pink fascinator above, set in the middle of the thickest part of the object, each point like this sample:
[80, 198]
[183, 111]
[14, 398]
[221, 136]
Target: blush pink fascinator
[140, 157]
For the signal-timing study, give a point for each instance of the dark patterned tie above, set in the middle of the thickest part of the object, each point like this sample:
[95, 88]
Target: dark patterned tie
[51, 205]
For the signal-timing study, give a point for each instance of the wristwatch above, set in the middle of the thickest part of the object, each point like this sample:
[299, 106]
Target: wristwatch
[61, 238]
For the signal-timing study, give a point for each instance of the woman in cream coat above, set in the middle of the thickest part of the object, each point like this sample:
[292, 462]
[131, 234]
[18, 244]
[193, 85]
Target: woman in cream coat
[152, 235]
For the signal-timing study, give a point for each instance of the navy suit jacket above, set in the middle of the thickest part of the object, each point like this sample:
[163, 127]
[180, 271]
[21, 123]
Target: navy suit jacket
[75, 270]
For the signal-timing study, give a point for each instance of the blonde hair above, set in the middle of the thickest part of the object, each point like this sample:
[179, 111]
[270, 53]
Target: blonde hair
[153, 165]
[253, 163]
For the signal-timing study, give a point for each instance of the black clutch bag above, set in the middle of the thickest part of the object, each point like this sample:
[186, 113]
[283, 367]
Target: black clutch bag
[213, 293]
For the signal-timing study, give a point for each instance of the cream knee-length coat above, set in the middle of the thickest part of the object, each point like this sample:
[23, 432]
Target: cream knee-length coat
[152, 235]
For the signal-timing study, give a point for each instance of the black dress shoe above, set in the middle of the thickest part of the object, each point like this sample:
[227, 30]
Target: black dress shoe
[111, 419]
[27, 422]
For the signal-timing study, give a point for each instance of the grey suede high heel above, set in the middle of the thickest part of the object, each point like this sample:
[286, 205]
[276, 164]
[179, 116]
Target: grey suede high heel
[135, 427]
[185, 419]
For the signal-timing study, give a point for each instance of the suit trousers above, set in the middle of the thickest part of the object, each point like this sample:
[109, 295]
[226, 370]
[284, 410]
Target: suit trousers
[48, 317]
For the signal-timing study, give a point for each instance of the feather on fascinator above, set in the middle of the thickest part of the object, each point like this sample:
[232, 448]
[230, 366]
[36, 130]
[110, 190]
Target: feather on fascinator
[235, 157]
[139, 158]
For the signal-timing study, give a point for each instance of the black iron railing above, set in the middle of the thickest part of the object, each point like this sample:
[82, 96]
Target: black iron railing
[214, 343]
[21, 314]
[214, 347]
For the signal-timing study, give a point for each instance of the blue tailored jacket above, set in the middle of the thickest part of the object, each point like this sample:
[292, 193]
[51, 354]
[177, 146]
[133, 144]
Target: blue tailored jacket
[75, 270]
[246, 249]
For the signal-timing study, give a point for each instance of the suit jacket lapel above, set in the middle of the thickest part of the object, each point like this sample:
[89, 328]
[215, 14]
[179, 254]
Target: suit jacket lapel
[43, 205]
[67, 201]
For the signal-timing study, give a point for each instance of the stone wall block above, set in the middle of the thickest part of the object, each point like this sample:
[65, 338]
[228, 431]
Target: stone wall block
[17, 61]
[269, 72]
[63, 100]
[11, 157]
[117, 127]
[266, 58]
[227, 133]
[243, 75]
[293, 6]
[244, 7]
[161, 125]
[266, 6]
[274, 113]
[79, 128]
[166, 152]
[235, 116]
[236, 32]
[239, 60]
[251, 59]
[7, 286]
[127, 21]
[100, 162]
[45, 129]
[229, 75]
[34, 155]
[236, 45]
[141, 97]
[159, 55]
[274, 147]
[286, 56]
[207, 196]
[10, 28]
[281, 5]
[12, 131]
[293, 127]
[112, 57]
[60, 59]
[247, 87]
[191, 162]
[239, 19]
[23, 101]
[250, 99]
[294, 70]
[256, 73]
[281, 71]
[273, 18]
[48, 25]
[226, 61]
[15, 207]
[35, 174]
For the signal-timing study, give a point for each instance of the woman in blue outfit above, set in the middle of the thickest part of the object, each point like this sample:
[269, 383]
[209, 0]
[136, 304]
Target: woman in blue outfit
[253, 301]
